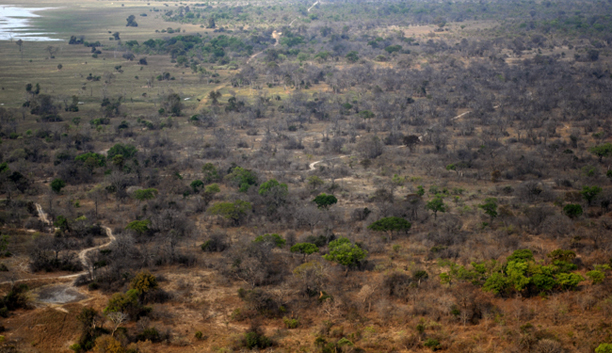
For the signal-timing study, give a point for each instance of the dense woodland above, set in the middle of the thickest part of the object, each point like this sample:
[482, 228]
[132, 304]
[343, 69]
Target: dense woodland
[352, 176]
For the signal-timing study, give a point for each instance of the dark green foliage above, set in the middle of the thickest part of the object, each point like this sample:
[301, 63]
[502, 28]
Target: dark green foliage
[602, 151]
[91, 160]
[352, 57]
[489, 207]
[127, 151]
[304, 248]
[271, 186]
[432, 344]
[57, 185]
[196, 185]
[572, 210]
[244, 178]
[391, 224]
[521, 255]
[436, 205]
[254, 338]
[589, 193]
[145, 194]
[324, 200]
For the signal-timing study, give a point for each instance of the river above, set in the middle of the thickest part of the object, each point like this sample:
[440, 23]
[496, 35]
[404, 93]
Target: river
[16, 23]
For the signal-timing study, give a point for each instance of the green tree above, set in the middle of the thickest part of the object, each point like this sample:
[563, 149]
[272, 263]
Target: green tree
[572, 210]
[275, 239]
[345, 253]
[127, 151]
[273, 186]
[589, 193]
[140, 227]
[211, 174]
[324, 200]
[596, 276]
[57, 185]
[244, 178]
[604, 348]
[145, 194]
[197, 185]
[391, 225]
[235, 211]
[352, 57]
[601, 151]
[173, 104]
[314, 181]
[304, 249]
[489, 207]
[436, 205]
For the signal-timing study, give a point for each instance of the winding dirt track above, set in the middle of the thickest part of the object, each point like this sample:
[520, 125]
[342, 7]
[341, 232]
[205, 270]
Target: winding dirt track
[82, 254]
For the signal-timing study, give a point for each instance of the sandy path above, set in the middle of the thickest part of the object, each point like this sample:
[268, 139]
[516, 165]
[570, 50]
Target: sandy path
[82, 254]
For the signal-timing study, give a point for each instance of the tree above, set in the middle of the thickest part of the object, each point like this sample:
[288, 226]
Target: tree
[572, 210]
[275, 239]
[57, 185]
[117, 318]
[235, 211]
[589, 193]
[601, 151]
[314, 181]
[345, 253]
[145, 194]
[489, 207]
[436, 205]
[270, 186]
[19, 43]
[131, 21]
[127, 151]
[410, 141]
[214, 96]
[352, 57]
[324, 200]
[173, 104]
[140, 227]
[304, 249]
[391, 225]
[107, 344]
[96, 194]
[211, 174]
[143, 283]
[197, 185]
[245, 178]
[604, 348]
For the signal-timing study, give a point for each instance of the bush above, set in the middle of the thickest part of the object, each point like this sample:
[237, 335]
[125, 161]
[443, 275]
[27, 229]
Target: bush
[275, 239]
[572, 210]
[57, 185]
[291, 323]
[432, 343]
[254, 338]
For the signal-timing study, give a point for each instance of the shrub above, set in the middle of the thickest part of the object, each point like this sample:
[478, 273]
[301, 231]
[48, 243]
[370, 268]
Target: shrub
[57, 185]
[573, 210]
[432, 344]
[324, 200]
[291, 323]
[345, 253]
[275, 239]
